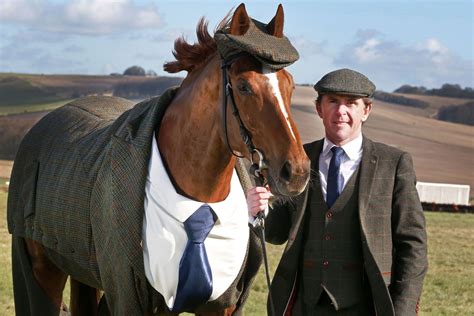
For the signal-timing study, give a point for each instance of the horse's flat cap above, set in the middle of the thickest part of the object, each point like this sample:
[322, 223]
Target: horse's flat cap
[274, 52]
[345, 81]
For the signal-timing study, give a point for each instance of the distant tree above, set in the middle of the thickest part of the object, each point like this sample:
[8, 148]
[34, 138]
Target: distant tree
[446, 90]
[151, 73]
[453, 90]
[145, 89]
[134, 71]
[463, 114]
[398, 99]
[410, 89]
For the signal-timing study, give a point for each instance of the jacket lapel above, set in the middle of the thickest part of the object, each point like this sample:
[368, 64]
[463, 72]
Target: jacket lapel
[368, 169]
[313, 150]
[131, 147]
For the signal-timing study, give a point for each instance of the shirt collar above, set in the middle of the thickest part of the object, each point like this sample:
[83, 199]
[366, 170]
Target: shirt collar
[352, 149]
[181, 207]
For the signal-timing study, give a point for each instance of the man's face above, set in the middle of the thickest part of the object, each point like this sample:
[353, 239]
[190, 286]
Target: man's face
[342, 116]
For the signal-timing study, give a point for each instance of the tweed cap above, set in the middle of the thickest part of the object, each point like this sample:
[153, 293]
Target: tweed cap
[273, 52]
[345, 81]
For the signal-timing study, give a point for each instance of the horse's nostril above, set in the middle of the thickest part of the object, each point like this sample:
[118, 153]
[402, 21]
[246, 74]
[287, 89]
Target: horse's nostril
[285, 172]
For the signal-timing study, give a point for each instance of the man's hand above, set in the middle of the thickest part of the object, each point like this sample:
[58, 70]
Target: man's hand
[257, 200]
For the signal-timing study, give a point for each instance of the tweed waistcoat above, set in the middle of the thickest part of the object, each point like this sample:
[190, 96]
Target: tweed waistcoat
[332, 255]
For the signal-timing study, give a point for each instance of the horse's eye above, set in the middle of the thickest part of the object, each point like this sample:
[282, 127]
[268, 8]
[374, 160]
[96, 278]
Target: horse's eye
[244, 88]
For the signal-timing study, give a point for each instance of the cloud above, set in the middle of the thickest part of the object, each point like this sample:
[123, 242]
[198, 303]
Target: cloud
[20, 11]
[35, 36]
[172, 35]
[84, 17]
[429, 63]
[307, 47]
[73, 49]
[29, 59]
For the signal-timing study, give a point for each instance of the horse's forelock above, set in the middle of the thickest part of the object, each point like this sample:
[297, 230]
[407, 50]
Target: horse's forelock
[187, 55]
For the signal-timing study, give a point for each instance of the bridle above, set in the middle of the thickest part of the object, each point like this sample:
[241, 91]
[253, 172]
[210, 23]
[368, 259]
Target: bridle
[256, 168]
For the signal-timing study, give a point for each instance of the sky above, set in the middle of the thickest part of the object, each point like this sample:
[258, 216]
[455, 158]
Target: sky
[416, 42]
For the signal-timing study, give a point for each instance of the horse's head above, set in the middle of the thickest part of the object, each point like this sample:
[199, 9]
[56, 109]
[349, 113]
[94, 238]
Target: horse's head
[262, 91]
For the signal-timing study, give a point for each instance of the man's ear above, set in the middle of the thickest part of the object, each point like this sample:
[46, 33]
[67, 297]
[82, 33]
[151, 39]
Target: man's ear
[318, 108]
[367, 110]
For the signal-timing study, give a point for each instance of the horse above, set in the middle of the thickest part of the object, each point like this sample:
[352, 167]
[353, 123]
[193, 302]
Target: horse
[76, 200]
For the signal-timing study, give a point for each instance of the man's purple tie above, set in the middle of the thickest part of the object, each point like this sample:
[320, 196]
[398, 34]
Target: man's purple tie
[195, 276]
[333, 176]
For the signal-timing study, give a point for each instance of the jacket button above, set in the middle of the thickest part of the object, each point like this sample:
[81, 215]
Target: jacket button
[325, 263]
[327, 237]
[329, 214]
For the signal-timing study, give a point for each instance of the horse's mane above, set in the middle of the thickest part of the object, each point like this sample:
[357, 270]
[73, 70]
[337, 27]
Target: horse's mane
[188, 56]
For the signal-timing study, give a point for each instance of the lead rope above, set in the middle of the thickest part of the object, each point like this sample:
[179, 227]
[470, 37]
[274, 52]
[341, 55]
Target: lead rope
[260, 226]
[260, 181]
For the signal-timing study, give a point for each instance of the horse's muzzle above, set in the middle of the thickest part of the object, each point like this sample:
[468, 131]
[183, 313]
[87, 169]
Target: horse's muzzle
[291, 178]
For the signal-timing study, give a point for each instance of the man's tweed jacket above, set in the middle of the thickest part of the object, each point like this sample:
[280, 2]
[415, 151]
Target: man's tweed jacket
[392, 225]
[78, 188]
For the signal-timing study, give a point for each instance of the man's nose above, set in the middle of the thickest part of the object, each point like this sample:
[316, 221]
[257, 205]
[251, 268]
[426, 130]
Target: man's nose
[342, 108]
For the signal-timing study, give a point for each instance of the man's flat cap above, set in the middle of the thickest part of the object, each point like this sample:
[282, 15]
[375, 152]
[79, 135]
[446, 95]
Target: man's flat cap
[345, 81]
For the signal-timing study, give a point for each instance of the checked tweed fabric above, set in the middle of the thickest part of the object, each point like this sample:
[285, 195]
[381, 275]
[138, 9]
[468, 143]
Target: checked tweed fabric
[392, 228]
[274, 52]
[78, 188]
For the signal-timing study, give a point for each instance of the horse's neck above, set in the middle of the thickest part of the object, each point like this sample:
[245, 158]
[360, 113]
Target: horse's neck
[197, 160]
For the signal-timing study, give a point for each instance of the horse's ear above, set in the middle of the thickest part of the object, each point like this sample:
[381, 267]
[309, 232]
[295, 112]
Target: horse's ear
[275, 27]
[240, 21]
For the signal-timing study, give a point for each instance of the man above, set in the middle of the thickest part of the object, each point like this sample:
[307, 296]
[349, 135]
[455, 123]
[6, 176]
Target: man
[356, 239]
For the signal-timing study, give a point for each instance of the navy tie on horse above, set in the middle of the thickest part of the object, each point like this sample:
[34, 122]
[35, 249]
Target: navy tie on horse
[333, 176]
[195, 276]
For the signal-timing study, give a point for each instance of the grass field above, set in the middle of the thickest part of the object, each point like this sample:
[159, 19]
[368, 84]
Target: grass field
[18, 109]
[448, 287]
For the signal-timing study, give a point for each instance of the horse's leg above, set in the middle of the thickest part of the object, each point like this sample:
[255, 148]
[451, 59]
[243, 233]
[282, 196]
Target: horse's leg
[226, 312]
[37, 283]
[84, 299]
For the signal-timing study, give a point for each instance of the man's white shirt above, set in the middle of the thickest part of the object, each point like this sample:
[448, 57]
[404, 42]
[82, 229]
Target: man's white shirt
[164, 237]
[351, 160]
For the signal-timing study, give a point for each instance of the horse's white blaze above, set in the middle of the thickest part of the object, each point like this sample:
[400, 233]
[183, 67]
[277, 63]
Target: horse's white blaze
[273, 81]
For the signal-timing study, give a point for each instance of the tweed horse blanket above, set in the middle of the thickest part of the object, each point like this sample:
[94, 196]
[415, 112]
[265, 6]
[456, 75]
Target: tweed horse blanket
[78, 188]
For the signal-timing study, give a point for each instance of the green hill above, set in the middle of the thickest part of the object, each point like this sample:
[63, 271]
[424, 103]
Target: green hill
[19, 91]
